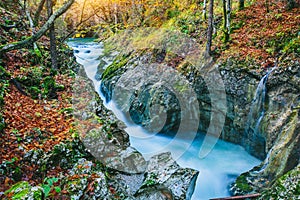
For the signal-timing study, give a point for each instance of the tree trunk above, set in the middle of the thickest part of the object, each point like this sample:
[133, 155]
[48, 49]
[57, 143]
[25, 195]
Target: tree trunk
[204, 9]
[226, 20]
[267, 6]
[210, 29]
[32, 26]
[241, 4]
[53, 51]
[38, 12]
[82, 11]
[228, 15]
[30, 40]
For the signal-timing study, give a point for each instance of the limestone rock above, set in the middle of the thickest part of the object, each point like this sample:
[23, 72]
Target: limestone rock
[164, 172]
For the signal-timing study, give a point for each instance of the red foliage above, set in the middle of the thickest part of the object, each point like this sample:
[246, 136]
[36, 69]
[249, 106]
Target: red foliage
[259, 28]
[39, 120]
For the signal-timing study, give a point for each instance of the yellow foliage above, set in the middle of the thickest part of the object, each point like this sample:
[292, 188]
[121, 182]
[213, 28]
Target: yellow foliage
[121, 14]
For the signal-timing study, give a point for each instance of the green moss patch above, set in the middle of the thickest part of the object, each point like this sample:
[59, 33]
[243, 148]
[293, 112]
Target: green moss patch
[242, 184]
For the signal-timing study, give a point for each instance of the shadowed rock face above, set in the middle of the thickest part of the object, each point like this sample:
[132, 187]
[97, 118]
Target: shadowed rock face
[156, 88]
[275, 139]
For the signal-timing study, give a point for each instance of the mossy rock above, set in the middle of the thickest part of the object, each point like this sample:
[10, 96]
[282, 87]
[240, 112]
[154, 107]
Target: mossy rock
[1, 102]
[37, 84]
[286, 187]
[113, 69]
[23, 190]
[59, 87]
[4, 83]
[242, 184]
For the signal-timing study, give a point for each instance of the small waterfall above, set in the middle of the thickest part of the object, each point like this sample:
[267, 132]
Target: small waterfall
[257, 111]
[263, 166]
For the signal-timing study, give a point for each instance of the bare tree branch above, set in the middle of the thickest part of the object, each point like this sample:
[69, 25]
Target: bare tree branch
[30, 40]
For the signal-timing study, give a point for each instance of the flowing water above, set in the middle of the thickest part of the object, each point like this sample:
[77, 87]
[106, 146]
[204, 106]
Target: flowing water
[257, 109]
[217, 170]
[257, 112]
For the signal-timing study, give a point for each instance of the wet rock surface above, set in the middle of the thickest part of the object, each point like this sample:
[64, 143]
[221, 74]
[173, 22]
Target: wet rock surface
[162, 170]
[275, 139]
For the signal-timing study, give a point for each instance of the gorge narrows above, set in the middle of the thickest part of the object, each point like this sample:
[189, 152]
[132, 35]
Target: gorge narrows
[217, 170]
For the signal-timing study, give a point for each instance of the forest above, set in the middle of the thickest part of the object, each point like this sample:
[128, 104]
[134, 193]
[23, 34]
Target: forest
[43, 153]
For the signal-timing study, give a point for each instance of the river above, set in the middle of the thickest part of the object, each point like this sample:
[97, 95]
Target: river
[217, 170]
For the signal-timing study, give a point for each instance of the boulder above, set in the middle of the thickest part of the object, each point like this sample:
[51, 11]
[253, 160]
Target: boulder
[170, 180]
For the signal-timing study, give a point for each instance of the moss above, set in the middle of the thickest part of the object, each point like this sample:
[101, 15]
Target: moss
[4, 84]
[19, 190]
[118, 63]
[59, 87]
[242, 183]
[2, 124]
[23, 190]
[292, 45]
[181, 87]
[108, 48]
[17, 186]
[36, 82]
[150, 181]
[1, 101]
[37, 193]
[4, 73]
[34, 91]
[49, 87]
[189, 21]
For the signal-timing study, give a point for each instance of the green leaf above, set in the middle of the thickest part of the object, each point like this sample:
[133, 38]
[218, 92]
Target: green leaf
[47, 189]
[57, 189]
[51, 180]
[38, 52]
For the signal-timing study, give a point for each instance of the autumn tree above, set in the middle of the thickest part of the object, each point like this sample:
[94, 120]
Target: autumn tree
[42, 31]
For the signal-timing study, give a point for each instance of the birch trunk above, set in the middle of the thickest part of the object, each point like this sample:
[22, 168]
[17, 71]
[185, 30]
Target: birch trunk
[204, 9]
